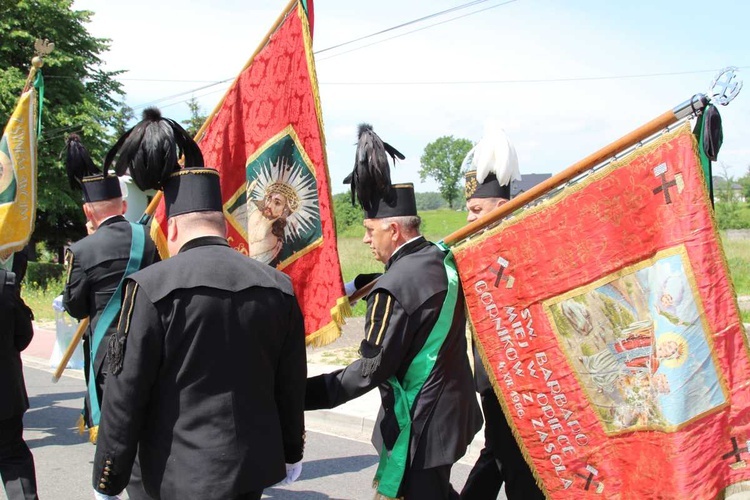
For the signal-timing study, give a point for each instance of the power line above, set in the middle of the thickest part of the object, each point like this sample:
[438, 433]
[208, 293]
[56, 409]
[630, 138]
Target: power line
[429, 16]
[414, 21]
[416, 30]
[537, 80]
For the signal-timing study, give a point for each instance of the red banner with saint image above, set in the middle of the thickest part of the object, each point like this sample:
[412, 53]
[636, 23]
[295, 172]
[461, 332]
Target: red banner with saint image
[266, 140]
[609, 322]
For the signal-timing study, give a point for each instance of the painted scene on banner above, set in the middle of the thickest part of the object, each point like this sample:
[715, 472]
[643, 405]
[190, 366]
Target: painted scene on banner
[639, 347]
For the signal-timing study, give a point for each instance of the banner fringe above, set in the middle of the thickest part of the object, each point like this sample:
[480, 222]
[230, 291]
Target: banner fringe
[159, 239]
[81, 425]
[93, 434]
[332, 330]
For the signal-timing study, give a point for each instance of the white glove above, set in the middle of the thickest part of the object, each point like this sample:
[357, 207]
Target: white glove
[292, 473]
[102, 496]
[349, 289]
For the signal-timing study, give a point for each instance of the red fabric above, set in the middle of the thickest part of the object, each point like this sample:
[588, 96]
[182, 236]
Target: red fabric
[576, 401]
[278, 89]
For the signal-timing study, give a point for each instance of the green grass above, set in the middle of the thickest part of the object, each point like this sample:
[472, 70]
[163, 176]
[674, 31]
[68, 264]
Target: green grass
[356, 258]
[738, 257]
[40, 299]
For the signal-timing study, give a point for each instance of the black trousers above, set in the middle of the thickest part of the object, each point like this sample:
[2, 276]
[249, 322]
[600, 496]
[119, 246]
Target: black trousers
[499, 461]
[16, 461]
[251, 495]
[428, 484]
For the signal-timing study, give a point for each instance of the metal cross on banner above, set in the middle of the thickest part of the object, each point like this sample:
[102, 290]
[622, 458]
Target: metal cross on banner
[500, 273]
[592, 473]
[737, 454]
[660, 171]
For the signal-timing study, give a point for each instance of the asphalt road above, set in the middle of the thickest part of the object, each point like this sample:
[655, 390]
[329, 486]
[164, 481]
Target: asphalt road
[333, 468]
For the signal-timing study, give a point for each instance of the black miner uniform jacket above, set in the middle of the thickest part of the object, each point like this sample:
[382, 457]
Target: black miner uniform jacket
[95, 266]
[212, 384]
[401, 311]
[16, 333]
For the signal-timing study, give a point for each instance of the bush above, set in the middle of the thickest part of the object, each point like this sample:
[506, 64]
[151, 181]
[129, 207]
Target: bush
[347, 216]
[41, 274]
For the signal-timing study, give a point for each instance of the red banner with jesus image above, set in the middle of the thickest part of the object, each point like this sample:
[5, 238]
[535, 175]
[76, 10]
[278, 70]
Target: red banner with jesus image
[609, 326]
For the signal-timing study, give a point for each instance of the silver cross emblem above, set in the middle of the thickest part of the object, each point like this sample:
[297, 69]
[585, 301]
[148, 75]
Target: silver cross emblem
[725, 86]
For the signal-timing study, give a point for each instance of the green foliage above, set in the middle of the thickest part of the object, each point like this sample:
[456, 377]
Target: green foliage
[79, 97]
[441, 161]
[39, 298]
[348, 217]
[197, 118]
[40, 274]
[561, 322]
[430, 201]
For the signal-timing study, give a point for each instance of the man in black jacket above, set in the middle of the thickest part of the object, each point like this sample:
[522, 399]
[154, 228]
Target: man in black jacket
[16, 461]
[414, 351]
[208, 366]
[96, 265]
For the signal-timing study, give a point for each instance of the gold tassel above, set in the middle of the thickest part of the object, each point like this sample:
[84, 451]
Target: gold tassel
[159, 240]
[93, 434]
[81, 425]
[380, 496]
[332, 330]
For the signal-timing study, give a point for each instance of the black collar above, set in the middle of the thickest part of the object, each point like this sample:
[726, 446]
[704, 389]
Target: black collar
[112, 220]
[203, 241]
[417, 244]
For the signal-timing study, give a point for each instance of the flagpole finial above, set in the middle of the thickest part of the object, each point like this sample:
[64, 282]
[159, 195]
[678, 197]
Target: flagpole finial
[42, 48]
[725, 86]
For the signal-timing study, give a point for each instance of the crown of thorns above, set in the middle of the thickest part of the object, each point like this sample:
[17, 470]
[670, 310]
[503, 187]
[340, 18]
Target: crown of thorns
[292, 198]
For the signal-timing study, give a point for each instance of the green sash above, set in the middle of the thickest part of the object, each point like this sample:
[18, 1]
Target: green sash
[392, 465]
[110, 312]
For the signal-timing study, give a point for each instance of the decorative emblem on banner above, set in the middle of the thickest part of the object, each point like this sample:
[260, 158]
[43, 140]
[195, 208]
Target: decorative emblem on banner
[498, 269]
[589, 476]
[276, 211]
[736, 453]
[661, 172]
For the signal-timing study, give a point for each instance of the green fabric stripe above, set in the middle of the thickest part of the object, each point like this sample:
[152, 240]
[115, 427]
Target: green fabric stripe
[705, 162]
[110, 312]
[392, 465]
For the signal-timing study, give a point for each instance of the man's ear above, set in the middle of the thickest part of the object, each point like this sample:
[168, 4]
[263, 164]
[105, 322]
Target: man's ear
[172, 230]
[124, 206]
[88, 212]
[396, 229]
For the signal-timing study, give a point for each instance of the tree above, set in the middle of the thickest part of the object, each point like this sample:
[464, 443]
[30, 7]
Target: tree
[429, 201]
[347, 215]
[728, 207]
[122, 120]
[79, 97]
[196, 120]
[441, 160]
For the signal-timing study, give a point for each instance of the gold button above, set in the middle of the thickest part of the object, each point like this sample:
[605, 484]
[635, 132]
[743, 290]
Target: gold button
[106, 472]
[102, 486]
[108, 462]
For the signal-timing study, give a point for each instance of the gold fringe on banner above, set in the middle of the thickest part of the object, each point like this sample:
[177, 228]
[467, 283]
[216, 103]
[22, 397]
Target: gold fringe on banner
[332, 330]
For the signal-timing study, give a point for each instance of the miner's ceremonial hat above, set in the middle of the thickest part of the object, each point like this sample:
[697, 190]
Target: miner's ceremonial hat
[150, 152]
[371, 178]
[491, 166]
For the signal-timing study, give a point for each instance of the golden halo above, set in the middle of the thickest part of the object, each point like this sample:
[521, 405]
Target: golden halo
[682, 350]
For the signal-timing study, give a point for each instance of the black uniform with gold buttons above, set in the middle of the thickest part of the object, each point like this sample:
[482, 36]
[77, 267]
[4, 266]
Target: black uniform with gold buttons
[208, 366]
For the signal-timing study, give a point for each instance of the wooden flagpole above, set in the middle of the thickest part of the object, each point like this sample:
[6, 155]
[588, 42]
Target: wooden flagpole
[692, 105]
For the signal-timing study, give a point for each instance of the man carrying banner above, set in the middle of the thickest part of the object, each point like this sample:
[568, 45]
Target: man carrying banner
[16, 460]
[500, 460]
[208, 364]
[414, 348]
[96, 267]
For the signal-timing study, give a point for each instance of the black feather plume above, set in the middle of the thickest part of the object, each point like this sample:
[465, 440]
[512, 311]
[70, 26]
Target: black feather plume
[150, 151]
[371, 177]
[78, 162]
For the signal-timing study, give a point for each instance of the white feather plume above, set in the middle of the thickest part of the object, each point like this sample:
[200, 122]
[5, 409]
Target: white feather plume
[493, 154]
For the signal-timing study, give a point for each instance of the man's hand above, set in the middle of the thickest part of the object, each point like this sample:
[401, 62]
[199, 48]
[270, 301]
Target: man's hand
[292, 473]
[361, 280]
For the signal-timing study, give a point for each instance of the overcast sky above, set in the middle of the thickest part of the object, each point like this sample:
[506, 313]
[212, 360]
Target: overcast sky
[566, 53]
